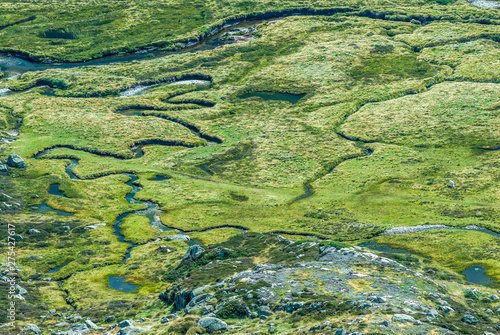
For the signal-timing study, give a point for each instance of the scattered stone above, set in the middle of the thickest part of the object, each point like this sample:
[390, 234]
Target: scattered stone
[212, 324]
[472, 293]
[207, 309]
[194, 252]
[264, 312]
[489, 311]
[52, 311]
[110, 319]
[178, 237]
[80, 328]
[33, 328]
[386, 323]
[446, 309]
[94, 226]
[494, 297]
[76, 318]
[92, 325]
[164, 320]
[131, 330]
[4, 168]
[432, 314]
[470, 319]
[125, 323]
[34, 257]
[403, 318]
[33, 231]
[378, 300]
[21, 290]
[16, 161]
[62, 324]
[341, 331]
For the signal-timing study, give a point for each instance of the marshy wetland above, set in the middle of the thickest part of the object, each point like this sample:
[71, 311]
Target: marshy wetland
[253, 133]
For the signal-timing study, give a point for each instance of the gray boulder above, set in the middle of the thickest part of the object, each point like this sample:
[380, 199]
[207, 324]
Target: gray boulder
[33, 328]
[378, 300]
[489, 311]
[131, 330]
[446, 309]
[178, 237]
[4, 168]
[62, 324]
[403, 318]
[194, 252]
[92, 325]
[80, 328]
[432, 314]
[212, 324]
[198, 302]
[264, 312]
[207, 309]
[125, 323]
[21, 290]
[16, 161]
[470, 319]
[494, 297]
[340, 332]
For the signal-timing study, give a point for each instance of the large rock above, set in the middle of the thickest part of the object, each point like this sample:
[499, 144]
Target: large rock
[80, 328]
[16, 161]
[193, 252]
[402, 318]
[92, 325]
[212, 324]
[470, 319]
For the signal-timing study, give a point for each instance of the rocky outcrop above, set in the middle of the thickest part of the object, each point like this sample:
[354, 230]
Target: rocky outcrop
[194, 252]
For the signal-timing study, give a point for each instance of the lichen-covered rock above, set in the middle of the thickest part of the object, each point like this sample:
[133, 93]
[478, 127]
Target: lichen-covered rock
[470, 319]
[178, 237]
[193, 252]
[212, 324]
[16, 161]
[403, 318]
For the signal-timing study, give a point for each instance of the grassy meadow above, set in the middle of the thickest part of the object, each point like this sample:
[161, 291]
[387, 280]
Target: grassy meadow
[392, 110]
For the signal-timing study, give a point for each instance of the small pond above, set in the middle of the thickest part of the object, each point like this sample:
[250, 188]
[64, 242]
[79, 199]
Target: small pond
[292, 98]
[118, 283]
[475, 275]
[54, 190]
[158, 178]
[59, 267]
[44, 208]
[383, 248]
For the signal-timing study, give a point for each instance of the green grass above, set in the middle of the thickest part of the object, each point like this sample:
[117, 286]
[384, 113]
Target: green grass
[84, 29]
[423, 98]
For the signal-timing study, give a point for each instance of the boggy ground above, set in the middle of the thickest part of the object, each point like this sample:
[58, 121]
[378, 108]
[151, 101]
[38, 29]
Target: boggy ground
[392, 111]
